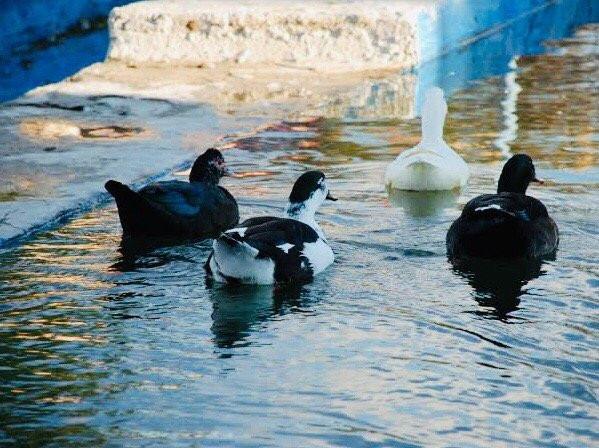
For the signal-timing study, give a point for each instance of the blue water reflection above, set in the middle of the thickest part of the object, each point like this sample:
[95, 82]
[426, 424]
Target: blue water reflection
[491, 53]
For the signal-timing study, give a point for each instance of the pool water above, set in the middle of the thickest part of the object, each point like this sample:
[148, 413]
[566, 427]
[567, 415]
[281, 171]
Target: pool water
[392, 346]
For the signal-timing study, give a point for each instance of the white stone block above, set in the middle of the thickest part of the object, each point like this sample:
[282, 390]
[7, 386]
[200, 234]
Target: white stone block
[323, 35]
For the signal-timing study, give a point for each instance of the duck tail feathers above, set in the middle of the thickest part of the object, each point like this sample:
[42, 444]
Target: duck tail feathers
[137, 215]
[117, 189]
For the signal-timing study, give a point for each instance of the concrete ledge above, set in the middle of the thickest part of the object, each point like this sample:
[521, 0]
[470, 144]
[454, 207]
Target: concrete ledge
[325, 35]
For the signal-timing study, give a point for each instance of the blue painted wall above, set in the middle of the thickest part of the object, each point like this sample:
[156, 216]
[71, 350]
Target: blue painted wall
[26, 22]
[459, 20]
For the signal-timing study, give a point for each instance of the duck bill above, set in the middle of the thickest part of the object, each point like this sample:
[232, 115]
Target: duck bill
[536, 180]
[330, 197]
[228, 172]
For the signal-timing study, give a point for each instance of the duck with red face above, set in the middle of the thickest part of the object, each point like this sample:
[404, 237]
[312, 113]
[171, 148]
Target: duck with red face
[200, 208]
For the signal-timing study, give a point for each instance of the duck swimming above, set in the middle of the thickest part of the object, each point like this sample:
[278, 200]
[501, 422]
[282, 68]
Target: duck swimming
[508, 224]
[198, 208]
[431, 165]
[267, 250]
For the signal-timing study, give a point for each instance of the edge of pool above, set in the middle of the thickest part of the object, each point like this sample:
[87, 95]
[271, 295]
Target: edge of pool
[103, 79]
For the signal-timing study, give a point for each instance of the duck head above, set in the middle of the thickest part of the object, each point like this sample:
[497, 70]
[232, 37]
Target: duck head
[517, 173]
[209, 167]
[309, 192]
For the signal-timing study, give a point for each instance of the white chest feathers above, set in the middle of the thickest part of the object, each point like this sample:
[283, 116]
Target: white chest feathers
[319, 255]
[432, 164]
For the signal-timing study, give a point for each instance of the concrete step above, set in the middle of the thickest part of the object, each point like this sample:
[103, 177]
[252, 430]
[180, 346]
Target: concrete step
[325, 35]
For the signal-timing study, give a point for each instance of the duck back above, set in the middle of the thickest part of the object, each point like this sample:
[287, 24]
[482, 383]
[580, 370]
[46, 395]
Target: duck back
[266, 250]
[504, 225]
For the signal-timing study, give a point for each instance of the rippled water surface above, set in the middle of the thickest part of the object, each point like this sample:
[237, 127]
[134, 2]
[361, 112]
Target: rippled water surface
[391, 346]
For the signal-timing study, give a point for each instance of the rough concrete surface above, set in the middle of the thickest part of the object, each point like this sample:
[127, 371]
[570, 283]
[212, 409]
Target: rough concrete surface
[61, 142]
[255, 89]
[57, 150]
[324, 35]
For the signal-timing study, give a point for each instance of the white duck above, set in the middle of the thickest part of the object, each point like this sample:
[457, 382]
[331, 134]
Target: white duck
[430, 165]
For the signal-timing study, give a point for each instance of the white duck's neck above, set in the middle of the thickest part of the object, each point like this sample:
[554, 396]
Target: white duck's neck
[304, 212]
[433, 118]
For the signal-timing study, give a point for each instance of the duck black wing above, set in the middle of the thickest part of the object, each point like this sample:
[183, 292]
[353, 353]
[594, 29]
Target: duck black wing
[504, 225]
[259, 220]
[202, 209]
[280, 239]
[175, 208]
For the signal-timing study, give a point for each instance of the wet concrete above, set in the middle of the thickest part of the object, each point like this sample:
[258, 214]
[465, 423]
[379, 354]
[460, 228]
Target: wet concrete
[58, 150]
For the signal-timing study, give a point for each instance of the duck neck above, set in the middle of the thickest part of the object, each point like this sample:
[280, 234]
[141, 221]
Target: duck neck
[509, 184]
[206, 174]
[433, 120]
[206, 177]
[304, 212]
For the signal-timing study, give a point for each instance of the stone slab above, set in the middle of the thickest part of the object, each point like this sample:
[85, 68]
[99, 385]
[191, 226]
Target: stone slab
[323, 35]
[57, 150]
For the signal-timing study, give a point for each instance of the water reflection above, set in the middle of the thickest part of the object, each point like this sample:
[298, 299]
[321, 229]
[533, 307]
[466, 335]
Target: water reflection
[547, 109]
[46, 383]
[238, 310]
[144, 253]
[498, 284]
[422, 203]
[491, 56]
[509, 106]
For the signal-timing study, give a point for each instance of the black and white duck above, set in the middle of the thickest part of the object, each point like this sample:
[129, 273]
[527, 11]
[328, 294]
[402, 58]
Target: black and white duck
[267, 250]
[194, 209]
[508, 224]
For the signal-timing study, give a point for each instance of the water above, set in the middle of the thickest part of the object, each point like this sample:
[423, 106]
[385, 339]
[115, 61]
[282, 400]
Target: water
[391, 346]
